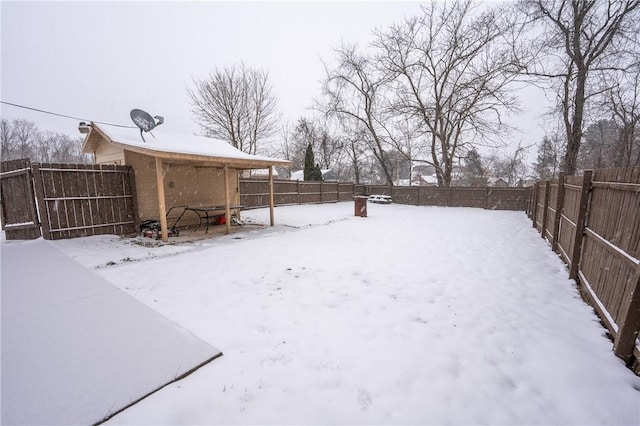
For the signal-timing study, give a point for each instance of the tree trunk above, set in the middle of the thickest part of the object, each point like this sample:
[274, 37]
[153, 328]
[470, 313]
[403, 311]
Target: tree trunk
[574, 132]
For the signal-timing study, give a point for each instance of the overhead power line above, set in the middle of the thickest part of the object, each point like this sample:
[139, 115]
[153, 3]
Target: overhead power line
[65, 116]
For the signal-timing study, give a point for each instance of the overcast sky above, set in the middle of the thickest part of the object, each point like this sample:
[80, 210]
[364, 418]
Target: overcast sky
[98, 60]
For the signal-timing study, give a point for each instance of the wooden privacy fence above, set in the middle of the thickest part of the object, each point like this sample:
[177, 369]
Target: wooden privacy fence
[486, 197]
[593, 223]
[255, 192]
[67, 200]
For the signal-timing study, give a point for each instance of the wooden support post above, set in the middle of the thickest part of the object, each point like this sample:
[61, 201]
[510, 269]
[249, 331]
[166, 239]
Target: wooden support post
[131, 176]
[558, 207]
[486, 197]
[227, 200]
[547, 187]
[42, 204]
[162, 207]
[628, 321]
[271, 202]
[581, 223]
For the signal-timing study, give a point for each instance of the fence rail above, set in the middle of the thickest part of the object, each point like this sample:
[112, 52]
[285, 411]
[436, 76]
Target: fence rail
[593, 223]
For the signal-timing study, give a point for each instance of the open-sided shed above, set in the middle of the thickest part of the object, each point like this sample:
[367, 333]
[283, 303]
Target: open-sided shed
[176, 169]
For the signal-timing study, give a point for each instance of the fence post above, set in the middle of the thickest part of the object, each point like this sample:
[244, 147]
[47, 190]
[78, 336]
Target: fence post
[486, 197]
[534, 212]
[545, 213]
[580, 224]
[629, 321]
[131, 176]
[559, 206]
[298, 189]
[42, 206]
[321, 183]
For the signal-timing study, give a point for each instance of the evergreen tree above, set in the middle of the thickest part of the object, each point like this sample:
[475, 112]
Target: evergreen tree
[317, 173]
[547, 161]
[475, 172]
[311, 169]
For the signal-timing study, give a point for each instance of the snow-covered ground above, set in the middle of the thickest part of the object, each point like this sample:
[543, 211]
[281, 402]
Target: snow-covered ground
[412, 315]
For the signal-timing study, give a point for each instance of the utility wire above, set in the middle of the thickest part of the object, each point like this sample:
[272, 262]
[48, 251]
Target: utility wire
[65, 116]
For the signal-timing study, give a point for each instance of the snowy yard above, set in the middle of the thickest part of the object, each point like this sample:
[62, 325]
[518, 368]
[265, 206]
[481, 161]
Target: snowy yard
[413, 315]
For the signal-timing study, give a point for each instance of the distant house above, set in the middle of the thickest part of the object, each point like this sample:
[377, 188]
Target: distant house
[262, 173]
[328, 175]
[498, 182]
[174, 169]
[419, 179]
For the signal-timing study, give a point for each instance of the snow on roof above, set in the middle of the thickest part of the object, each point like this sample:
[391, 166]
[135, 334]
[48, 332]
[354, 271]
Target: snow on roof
[299, 174]
[165, 142]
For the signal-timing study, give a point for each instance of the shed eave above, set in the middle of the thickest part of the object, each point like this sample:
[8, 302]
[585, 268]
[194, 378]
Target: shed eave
[234, 163]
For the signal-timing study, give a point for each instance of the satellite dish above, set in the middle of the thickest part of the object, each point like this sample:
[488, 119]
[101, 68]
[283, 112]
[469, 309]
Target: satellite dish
[144, 121]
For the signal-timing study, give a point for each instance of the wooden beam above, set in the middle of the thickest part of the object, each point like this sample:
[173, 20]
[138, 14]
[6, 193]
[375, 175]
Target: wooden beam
[227, 199]
[271, 203]
[559, 207]
[547, 188]
[581, 223]
[629, 321]
[42, 204]
[162, 207]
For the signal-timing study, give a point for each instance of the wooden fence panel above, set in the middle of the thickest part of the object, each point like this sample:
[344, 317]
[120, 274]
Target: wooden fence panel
[507, 198]
[346, 191]
[569, 216]
[404, 195]
[540, 207]
[19, 214]
[255, 193]
[330, 192]
[598, 236]
[612, 240]
[468, 197]
[552, 201]
[440, 197]
[79, 200]
[310, 193]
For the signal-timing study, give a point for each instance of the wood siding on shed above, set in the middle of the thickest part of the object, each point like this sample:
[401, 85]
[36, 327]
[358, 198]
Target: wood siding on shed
[107, 153]
[189, 185]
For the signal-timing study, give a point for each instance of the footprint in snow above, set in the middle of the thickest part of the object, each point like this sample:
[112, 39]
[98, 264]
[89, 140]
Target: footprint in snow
[364, 399]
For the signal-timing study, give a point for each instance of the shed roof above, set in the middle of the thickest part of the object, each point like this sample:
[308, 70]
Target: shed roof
[172, 146]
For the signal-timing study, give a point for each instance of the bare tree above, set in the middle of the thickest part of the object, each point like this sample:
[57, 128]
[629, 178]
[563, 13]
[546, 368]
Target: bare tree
[511, 167]
[451, 72]
[236, 104]
[353, 94]
[7, 139]
[576, 39]
[622, 102]
[547, 164]
[24, 132]
[21, 138]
